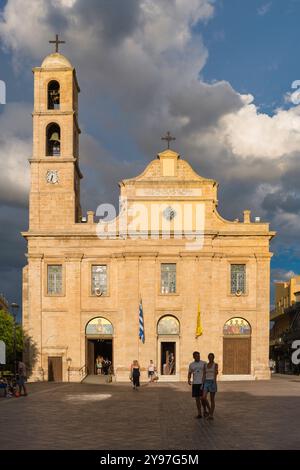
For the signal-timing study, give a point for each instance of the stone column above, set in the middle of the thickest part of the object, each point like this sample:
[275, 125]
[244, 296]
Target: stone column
[33, 323]
[261, 366]
[72, 322]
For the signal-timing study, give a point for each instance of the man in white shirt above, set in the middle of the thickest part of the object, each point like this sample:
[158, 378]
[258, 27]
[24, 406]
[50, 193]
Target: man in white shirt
[197, 369]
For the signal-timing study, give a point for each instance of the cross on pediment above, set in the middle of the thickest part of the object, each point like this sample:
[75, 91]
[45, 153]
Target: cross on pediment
[168, 138]
[57, 42]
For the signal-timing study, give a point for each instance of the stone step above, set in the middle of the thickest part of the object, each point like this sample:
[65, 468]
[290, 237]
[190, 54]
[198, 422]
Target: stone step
[168, 378]
[97, 379]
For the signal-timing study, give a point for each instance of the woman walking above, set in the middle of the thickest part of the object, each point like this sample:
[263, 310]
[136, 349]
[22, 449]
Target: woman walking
[135, 374]
[210, 384]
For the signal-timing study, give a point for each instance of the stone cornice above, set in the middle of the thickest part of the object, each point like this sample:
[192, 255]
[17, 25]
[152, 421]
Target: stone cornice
[73, 256]
[92, 311]
[83, 234]
[51, 310]
[58, 113]
[159, 182]
[152, 254]
[101, 256]
[240, 309]
[139, 254]
[53, 112]
[177, 198]
[56, 69]
[37, 256]
[50, 160]
[59, 348]
[168, 309]
[263, 255]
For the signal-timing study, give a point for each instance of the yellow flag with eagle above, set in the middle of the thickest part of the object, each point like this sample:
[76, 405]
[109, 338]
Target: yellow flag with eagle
[199, 329]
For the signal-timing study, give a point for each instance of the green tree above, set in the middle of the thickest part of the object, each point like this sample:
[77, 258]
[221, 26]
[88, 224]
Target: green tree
[25, 346]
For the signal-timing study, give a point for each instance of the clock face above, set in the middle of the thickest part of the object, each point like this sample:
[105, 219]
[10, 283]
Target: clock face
[169, 213]
[52, 176]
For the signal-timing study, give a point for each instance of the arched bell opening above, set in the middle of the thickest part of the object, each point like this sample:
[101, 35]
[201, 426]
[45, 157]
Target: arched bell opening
[53, 95]
[53, 140]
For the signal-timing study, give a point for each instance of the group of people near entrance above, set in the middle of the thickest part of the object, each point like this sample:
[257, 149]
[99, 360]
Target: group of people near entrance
[135, 373]
[15, 386]
[103, 366]
[201, 375]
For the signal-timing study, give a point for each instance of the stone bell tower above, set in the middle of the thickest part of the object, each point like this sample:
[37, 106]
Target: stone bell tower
[55, 173]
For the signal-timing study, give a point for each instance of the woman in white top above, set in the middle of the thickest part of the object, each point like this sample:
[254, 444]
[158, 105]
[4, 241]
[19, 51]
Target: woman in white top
[210, 384]
[99, 365]
[151, 371]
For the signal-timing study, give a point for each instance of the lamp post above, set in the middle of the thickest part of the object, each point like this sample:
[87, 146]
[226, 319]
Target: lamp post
[15, 308]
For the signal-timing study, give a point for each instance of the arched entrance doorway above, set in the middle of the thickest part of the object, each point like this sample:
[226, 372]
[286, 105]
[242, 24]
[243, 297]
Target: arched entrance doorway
[168, 329]
[237, 347]
[99, 343]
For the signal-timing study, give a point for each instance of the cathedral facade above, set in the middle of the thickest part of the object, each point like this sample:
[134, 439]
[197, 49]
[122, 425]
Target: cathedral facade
[164, 277]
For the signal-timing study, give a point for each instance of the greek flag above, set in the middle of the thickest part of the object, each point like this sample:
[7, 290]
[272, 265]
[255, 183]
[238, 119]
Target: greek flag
[141, 322]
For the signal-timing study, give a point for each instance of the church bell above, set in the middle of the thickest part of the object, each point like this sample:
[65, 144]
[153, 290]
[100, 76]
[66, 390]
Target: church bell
[55, 137]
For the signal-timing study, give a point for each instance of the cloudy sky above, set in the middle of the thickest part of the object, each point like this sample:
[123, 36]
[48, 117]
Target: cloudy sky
[218, 74]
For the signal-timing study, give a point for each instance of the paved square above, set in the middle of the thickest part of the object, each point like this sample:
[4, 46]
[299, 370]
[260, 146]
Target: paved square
[249, 415]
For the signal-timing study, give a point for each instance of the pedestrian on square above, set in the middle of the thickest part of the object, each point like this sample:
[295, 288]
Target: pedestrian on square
[171, 364]
[22, 378]
[151, 371]
[3, 386]
[107, 366]
[135, 374]
[210, 384]
[197, 369]
[99, 365]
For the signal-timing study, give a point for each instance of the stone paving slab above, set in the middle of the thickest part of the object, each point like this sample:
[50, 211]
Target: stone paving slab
[249, 415]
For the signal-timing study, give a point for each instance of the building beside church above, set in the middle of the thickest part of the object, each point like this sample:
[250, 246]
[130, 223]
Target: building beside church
[285, 325]
[168, 248]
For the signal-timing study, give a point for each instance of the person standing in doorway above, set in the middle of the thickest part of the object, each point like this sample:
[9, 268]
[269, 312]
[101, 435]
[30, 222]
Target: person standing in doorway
[197, 370]
[135, 374]
[171, 364]
[99, 365]
[210, 384]
[22, 378]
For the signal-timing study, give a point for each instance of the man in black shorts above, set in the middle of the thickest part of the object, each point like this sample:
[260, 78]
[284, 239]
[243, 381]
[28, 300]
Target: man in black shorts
[196, 369]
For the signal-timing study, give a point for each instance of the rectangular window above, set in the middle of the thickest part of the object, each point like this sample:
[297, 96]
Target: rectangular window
[238, 278]
[168, 278]
[55, 279]
[99, 279]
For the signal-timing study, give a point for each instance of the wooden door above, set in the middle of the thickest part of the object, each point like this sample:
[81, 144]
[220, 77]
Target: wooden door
[236, 356]
[55, 369]
[91, 356]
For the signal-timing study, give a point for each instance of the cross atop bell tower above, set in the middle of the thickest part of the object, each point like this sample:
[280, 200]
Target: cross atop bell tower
[57, 42]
